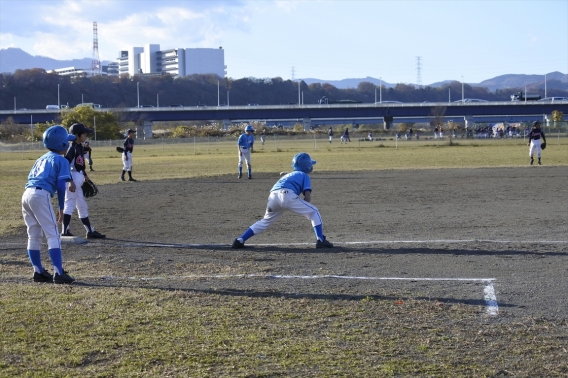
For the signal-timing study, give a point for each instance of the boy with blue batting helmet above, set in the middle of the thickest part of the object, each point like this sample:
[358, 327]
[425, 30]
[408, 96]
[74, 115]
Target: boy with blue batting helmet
[285, 195]
[50, 174]
[245, 145]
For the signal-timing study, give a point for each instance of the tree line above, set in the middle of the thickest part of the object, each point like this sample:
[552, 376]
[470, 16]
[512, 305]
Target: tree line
[36, 88]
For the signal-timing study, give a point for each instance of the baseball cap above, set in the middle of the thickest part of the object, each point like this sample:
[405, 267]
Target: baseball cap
[130, 131]
[79, 128]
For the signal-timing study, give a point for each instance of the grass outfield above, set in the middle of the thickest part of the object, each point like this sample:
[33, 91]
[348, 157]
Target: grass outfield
[76, 330]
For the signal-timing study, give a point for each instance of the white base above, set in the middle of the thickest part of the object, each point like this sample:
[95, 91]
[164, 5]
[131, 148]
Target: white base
[72, 240]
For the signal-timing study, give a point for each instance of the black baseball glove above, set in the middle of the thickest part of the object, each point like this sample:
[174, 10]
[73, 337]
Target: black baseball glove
[89, 189]
[543, 146]
[119, 149]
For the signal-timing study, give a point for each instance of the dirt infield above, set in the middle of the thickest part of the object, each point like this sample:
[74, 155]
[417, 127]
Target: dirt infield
[509, 225]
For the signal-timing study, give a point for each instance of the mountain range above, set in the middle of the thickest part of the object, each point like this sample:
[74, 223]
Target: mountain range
[12, 59]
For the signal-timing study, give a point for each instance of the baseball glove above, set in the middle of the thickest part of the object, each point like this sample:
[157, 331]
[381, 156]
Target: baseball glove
[119, 149]
[89, 189]
[543, 146]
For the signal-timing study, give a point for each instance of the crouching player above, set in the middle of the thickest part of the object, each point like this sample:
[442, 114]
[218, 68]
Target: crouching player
[49, 170]
[285, 195]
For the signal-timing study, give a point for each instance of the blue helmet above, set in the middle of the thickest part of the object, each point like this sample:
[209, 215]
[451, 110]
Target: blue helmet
[56, 138]
[249, 128]
[303, 162]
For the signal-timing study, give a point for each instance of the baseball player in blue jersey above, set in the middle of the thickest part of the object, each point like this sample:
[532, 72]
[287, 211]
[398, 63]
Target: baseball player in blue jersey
[285, 195]
[49, 174]
[76, 157]
[245, 145]
[535, 141]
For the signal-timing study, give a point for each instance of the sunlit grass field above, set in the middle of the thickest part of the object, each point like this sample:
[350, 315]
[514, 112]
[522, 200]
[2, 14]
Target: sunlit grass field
[94, 331]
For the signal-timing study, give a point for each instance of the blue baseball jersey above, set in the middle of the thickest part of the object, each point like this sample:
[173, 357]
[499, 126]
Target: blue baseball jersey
[246, 141]
[297, 181]
[47, 171]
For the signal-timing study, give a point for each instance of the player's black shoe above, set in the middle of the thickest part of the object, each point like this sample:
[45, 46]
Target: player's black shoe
[67, 233]
[62, 278]
[122, 178]
[240, 176]
[237, 244]
[95, 235]
[45, 276]
[323, 243]
[131, 179]
[250, 177]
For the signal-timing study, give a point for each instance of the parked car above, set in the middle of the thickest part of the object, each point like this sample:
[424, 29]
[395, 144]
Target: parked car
[176, 106]
[52, 107]
[145, 106]
[471, 100]
[553, 99]
[388, 102]
[252, 104]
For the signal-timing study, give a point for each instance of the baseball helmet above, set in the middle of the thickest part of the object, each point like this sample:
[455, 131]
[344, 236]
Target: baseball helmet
[79, 128]
[56, 138]
[249, 128]
[536, 123]
[303, 162]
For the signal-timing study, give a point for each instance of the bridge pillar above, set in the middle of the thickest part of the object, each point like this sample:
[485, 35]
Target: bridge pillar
[388, 121]
[307, 124]
[148, 129]
[227, 124]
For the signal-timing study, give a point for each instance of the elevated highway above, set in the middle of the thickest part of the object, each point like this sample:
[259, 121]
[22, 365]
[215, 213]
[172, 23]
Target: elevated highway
[386, 113]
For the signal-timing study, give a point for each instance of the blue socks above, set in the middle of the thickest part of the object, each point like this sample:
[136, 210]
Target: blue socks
[319, 231]
[240, 170]
[249, 172]
[247, 235]
[35, 259]
[56, 259]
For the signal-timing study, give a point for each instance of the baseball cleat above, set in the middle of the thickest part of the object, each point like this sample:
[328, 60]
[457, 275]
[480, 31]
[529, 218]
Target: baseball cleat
[95, 235]
[62, 278]
[240, 176]
[67, 233]
[43, 277]
[131, 179]
[323, 243]
[250, 177]
[122, 178]
[237, 244]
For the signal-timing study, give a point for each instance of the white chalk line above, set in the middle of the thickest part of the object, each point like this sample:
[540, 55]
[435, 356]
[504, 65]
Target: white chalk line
[492, 308]
[368, 242]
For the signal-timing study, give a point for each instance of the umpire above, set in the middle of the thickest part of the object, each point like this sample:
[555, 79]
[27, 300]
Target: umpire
[535, 143]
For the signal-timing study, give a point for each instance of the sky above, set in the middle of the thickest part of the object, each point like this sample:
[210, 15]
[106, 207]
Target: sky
[463, 40]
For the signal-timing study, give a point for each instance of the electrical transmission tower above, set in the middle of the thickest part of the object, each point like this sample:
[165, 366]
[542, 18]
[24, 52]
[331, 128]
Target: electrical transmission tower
[95, 62]
[419, 71]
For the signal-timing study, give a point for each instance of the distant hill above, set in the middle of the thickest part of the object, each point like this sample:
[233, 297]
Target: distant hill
[12, 59]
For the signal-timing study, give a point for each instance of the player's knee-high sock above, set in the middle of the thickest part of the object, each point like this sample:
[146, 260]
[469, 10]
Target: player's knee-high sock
[56, 260]
[249, 171]
[66, 222]
[87, 224]
[123, 172]
[240, 170]
[247, 235]
[319, 231]
[35, 259]
[130, 173]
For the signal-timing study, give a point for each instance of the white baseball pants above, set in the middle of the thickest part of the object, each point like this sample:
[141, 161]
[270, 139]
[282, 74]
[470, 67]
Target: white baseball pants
[76, 199]
[285, 199]
[244, 155]
[39, 216]
[535, 147]
[127, 163]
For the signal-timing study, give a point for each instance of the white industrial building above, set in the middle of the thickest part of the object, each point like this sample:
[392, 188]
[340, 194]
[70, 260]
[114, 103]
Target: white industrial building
[177, 62]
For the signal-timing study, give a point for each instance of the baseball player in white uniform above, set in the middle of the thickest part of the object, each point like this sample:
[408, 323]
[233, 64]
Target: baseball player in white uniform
[75, 199]
[245, 146]
[535, 143]
[127, 155]
[49, 174]
[285, 195]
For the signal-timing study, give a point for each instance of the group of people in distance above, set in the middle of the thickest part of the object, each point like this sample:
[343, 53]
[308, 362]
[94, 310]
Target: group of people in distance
[62, 170]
